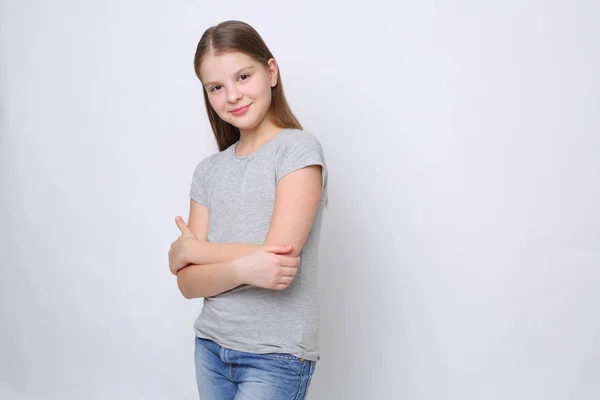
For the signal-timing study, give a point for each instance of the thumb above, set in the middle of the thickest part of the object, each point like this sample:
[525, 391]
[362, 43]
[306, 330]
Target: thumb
[185, 230]
[278, 248]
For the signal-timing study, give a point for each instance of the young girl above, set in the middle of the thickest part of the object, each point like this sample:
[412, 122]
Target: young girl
[250, 248]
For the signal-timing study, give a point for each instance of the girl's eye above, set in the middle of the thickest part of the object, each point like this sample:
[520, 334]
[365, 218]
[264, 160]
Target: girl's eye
[215, 88]
[244, 77]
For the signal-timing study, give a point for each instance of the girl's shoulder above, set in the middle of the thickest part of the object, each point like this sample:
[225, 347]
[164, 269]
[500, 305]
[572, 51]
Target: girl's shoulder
[207, 163]
[296, 138]
[297, 135]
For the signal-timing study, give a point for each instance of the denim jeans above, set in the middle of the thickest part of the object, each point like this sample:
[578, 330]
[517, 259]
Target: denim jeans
[225, 374]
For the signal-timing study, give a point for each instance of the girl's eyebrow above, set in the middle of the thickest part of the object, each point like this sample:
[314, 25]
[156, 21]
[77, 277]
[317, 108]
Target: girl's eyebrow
[236, 73]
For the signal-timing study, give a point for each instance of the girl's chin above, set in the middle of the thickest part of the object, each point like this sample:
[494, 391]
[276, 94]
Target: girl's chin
[246, 125]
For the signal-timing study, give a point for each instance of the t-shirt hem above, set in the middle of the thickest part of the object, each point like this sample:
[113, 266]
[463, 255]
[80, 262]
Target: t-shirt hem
[307, 355]
[306, 163]
[198, 199]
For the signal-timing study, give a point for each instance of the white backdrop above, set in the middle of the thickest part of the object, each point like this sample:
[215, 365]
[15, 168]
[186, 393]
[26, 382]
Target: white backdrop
[461, 247]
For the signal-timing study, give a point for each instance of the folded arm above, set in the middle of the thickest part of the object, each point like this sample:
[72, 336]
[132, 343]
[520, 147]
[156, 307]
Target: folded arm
[205, 277]
[205, 252]
[296, 202]
[208, 280]
[297, 199]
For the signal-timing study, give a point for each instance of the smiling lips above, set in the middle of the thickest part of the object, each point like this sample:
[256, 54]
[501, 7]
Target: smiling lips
[241, 111]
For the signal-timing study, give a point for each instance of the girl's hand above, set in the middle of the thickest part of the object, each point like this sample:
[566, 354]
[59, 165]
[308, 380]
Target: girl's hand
[268, 267]
[180, 248]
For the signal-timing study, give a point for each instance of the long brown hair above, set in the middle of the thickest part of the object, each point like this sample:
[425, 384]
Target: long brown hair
[231, 36]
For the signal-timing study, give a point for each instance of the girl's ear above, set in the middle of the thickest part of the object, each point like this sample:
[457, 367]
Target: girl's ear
[273, 71]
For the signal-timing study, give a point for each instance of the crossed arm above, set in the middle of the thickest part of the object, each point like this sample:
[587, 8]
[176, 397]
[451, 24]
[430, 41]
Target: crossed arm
[296, 201]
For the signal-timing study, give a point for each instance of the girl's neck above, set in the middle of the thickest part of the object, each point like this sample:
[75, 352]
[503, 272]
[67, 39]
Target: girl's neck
[252, 140]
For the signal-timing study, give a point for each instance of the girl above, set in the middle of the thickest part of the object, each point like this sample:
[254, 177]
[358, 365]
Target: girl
[250, 248]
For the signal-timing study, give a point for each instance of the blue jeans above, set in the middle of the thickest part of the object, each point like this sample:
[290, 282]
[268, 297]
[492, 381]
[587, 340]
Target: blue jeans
[225, 374]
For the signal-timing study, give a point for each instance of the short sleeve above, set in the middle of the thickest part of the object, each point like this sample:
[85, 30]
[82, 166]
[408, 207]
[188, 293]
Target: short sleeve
[300, 150]
[198, 191]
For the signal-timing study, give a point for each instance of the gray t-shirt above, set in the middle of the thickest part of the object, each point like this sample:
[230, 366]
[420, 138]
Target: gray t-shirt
[240, 193]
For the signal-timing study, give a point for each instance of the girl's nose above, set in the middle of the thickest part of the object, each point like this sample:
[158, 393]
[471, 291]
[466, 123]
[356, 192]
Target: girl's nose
[234, 95]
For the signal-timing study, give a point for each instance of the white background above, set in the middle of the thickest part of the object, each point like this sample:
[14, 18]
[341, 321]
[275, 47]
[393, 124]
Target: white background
[461, 247]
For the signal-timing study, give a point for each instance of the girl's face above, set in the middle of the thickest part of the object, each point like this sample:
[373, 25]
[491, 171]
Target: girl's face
[239, 88]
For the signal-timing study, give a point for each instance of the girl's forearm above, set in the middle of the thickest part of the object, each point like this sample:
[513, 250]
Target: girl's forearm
[208, 280]
[210, 253]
